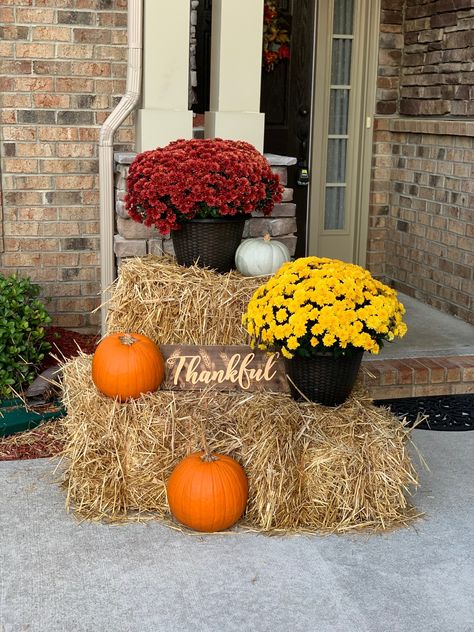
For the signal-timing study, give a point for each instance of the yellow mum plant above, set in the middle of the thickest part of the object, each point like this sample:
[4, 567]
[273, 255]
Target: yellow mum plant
[315, 305]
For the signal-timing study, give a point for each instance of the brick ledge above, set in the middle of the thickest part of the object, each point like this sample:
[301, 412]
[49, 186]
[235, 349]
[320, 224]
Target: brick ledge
[444, 127]
[416, 377]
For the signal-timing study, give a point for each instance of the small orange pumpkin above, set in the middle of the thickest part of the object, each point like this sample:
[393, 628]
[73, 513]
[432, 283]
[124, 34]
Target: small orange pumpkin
[126, 365]
[207, 492]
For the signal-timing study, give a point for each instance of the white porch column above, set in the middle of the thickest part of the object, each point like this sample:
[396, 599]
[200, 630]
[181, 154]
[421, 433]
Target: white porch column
[236, 62]
[164, 115]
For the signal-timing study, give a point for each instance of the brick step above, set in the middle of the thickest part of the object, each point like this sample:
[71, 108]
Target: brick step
[416, 377]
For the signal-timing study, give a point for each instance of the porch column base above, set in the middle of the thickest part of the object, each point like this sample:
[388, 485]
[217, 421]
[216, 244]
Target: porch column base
[157, 128]
[248, 126]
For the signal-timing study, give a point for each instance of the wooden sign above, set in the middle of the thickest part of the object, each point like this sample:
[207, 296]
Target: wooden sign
[224, 368]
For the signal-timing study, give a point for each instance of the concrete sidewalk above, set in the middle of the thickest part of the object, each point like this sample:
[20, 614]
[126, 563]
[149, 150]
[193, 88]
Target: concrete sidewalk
[61, 576]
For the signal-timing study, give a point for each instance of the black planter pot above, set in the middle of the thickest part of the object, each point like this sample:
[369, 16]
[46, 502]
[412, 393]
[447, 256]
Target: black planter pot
[323, 379]
[209, 243]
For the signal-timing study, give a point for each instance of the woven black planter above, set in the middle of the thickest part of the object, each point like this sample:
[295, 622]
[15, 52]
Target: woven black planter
[323, 379]
[210, 243]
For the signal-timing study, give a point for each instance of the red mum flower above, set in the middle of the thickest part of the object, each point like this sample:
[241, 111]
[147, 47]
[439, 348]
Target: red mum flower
[199, 178]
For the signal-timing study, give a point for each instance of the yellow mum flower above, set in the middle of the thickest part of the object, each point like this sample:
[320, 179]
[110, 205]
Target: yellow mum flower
[281, 315]
[329, 340]
[292, 343]
[317, 329]
[316, 300]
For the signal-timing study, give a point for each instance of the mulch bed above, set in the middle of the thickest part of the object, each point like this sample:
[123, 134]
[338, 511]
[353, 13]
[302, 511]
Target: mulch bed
[66, 343]
[46, 440]
[41, 442]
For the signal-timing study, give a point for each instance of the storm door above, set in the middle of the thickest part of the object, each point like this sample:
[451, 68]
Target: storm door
[344, 94]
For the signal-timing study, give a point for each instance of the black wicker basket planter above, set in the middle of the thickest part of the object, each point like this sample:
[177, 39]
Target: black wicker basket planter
[209, 243]
[323, 379]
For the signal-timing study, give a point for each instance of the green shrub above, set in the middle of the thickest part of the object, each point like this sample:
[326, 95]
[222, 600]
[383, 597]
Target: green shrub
[22, 334]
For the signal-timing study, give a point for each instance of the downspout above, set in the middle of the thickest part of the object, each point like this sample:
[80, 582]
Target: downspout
[106, 150]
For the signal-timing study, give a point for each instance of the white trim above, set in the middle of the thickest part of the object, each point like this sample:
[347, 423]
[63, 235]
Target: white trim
[106, 151]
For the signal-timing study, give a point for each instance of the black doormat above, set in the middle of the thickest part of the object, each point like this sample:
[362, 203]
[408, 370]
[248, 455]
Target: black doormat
[447, 412]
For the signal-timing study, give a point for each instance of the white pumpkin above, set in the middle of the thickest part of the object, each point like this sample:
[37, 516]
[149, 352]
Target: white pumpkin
[260, 256]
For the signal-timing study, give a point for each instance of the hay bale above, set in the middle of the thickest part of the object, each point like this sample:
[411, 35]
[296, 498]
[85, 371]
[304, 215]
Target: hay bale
[176, 305]
[310, 468]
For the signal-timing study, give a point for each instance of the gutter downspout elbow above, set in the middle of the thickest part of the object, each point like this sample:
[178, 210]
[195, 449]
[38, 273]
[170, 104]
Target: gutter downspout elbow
[106, 151]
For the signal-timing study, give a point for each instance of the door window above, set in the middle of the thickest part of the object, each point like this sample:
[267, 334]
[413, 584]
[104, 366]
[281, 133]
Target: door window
[337, 134]
[341, 141]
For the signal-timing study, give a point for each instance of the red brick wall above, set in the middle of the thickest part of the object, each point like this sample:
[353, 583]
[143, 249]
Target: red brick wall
[429, 240]
[390, 56]
[63, 69]
[437, 77]
[422, 198]
[425, 58]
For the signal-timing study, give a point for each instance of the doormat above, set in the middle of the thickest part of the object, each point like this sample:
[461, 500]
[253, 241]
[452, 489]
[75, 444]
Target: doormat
[14, 417]
[446, 412]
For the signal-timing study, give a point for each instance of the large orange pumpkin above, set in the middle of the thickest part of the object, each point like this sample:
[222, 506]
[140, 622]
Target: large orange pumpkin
[126, 365]
[207, 492]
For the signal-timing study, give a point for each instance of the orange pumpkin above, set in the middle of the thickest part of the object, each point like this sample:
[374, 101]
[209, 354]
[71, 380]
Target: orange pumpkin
[207, 492]
[126, 365]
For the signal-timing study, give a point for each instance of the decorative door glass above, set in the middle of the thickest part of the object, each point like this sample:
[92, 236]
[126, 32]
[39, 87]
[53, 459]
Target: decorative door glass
[337, 133]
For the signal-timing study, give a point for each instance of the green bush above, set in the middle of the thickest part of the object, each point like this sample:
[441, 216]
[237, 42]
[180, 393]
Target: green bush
[22, 334]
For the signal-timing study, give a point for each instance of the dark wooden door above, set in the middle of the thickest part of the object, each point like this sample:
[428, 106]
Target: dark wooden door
[286, 101]
[203, 55]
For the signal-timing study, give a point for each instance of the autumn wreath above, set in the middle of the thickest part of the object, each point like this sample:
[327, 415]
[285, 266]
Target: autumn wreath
[275, 36]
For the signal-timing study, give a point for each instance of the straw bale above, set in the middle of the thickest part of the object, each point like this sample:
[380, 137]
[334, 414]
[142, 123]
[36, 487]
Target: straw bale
[176, 305]
[310, 468]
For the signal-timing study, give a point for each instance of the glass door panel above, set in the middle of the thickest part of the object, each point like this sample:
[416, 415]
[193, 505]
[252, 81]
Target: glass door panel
[339, 111]
[343, 16]
[338, 126]
[344, 101]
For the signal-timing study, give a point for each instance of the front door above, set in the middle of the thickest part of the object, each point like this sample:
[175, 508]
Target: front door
[286, 97]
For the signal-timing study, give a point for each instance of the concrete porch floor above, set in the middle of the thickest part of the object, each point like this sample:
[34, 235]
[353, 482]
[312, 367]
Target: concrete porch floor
[435, 357]
[58, 575]
[430, 333]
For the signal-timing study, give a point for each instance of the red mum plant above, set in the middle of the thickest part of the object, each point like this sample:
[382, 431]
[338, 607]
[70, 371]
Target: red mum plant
[199, 178]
